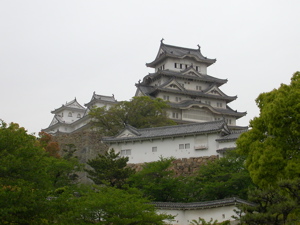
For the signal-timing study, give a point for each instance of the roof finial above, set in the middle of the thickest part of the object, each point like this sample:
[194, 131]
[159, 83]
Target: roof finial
[161, 41]
[198, 47]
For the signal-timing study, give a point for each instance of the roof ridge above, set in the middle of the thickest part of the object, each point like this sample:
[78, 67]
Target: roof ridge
[186, 48]
[181, 125]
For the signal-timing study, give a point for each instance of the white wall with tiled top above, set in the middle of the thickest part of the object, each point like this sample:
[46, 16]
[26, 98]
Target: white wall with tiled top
[178, 147]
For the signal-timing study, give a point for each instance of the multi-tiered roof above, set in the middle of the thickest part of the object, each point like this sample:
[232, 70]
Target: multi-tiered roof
[73, 117]
[181, 78]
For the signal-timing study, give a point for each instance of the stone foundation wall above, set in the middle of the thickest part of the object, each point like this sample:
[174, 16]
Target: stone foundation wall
[184, 166]
[85, 145]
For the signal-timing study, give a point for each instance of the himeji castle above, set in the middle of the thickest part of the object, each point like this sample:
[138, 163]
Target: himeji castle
[181, 78]
[207, 125]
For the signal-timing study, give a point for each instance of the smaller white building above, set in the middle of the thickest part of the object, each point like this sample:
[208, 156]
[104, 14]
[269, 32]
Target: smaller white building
[185, 213]
[72, 116]
[180, 141]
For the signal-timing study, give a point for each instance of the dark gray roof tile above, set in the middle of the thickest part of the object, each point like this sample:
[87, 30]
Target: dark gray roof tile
[200, 205]
[171, 131]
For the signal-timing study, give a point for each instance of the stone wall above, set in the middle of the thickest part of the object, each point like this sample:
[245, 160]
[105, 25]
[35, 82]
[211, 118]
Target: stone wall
[184, 166]
[85, 145]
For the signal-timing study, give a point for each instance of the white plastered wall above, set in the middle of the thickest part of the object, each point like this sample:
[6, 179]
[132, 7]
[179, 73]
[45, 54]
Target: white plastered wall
[184, 217]
[141, 151]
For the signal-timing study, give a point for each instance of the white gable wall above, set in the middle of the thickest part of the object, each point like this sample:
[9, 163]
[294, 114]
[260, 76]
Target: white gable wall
[179, 147]
[184, 217]
[170, 65]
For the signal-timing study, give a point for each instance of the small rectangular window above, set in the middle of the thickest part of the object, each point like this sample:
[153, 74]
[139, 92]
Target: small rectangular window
[180, 66]
[197, 68]
[187, 146]
[207, 102]
[166, 97]
[175, 115]
[125, 152]
[175, 65]
[181, 146]
[154, 149]
[178, 99]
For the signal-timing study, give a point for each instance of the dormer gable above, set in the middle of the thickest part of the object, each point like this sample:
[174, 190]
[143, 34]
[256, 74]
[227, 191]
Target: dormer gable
[214, 90]
[190, 71]
[129, 131]
[173, 84]
[74, 104]
[54, 121]
[160, 53]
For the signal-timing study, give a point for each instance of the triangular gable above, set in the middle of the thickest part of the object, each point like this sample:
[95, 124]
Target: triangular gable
[128, 132]
[74, 104]
[191, 72]
[160, 52]
[54, 121]
[214, 90]
[173, 84]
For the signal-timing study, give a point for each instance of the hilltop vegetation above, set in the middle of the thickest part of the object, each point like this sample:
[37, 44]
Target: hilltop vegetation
[39, 186]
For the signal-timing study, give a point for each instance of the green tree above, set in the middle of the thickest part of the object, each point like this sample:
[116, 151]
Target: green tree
[158, 182]
[222, 178]
[270, 205]
[272, 143]
[108, 205]
[26, 177]
[202, 221]
[109, 169]
[140, 112]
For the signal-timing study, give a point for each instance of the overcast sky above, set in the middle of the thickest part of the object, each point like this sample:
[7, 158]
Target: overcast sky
[54, 51]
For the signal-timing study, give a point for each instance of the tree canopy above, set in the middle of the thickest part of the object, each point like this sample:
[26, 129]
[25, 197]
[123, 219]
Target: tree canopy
[140, 112]
[272, 143]
[109, 169]
[27, 174]
[108, 205]
[157, 181]
[222, 178]
[272, 153]
[37, 187]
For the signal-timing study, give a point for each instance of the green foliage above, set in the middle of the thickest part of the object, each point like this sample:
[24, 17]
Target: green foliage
[107, 205]
[26, 177]
[158, 182]
[109, 169]
[272, 206]
[140, 112]
[272, 143]
[202, 221]
[222, 178]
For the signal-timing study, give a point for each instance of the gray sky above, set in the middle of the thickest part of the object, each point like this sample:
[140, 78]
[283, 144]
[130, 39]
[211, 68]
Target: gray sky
[53, 51]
